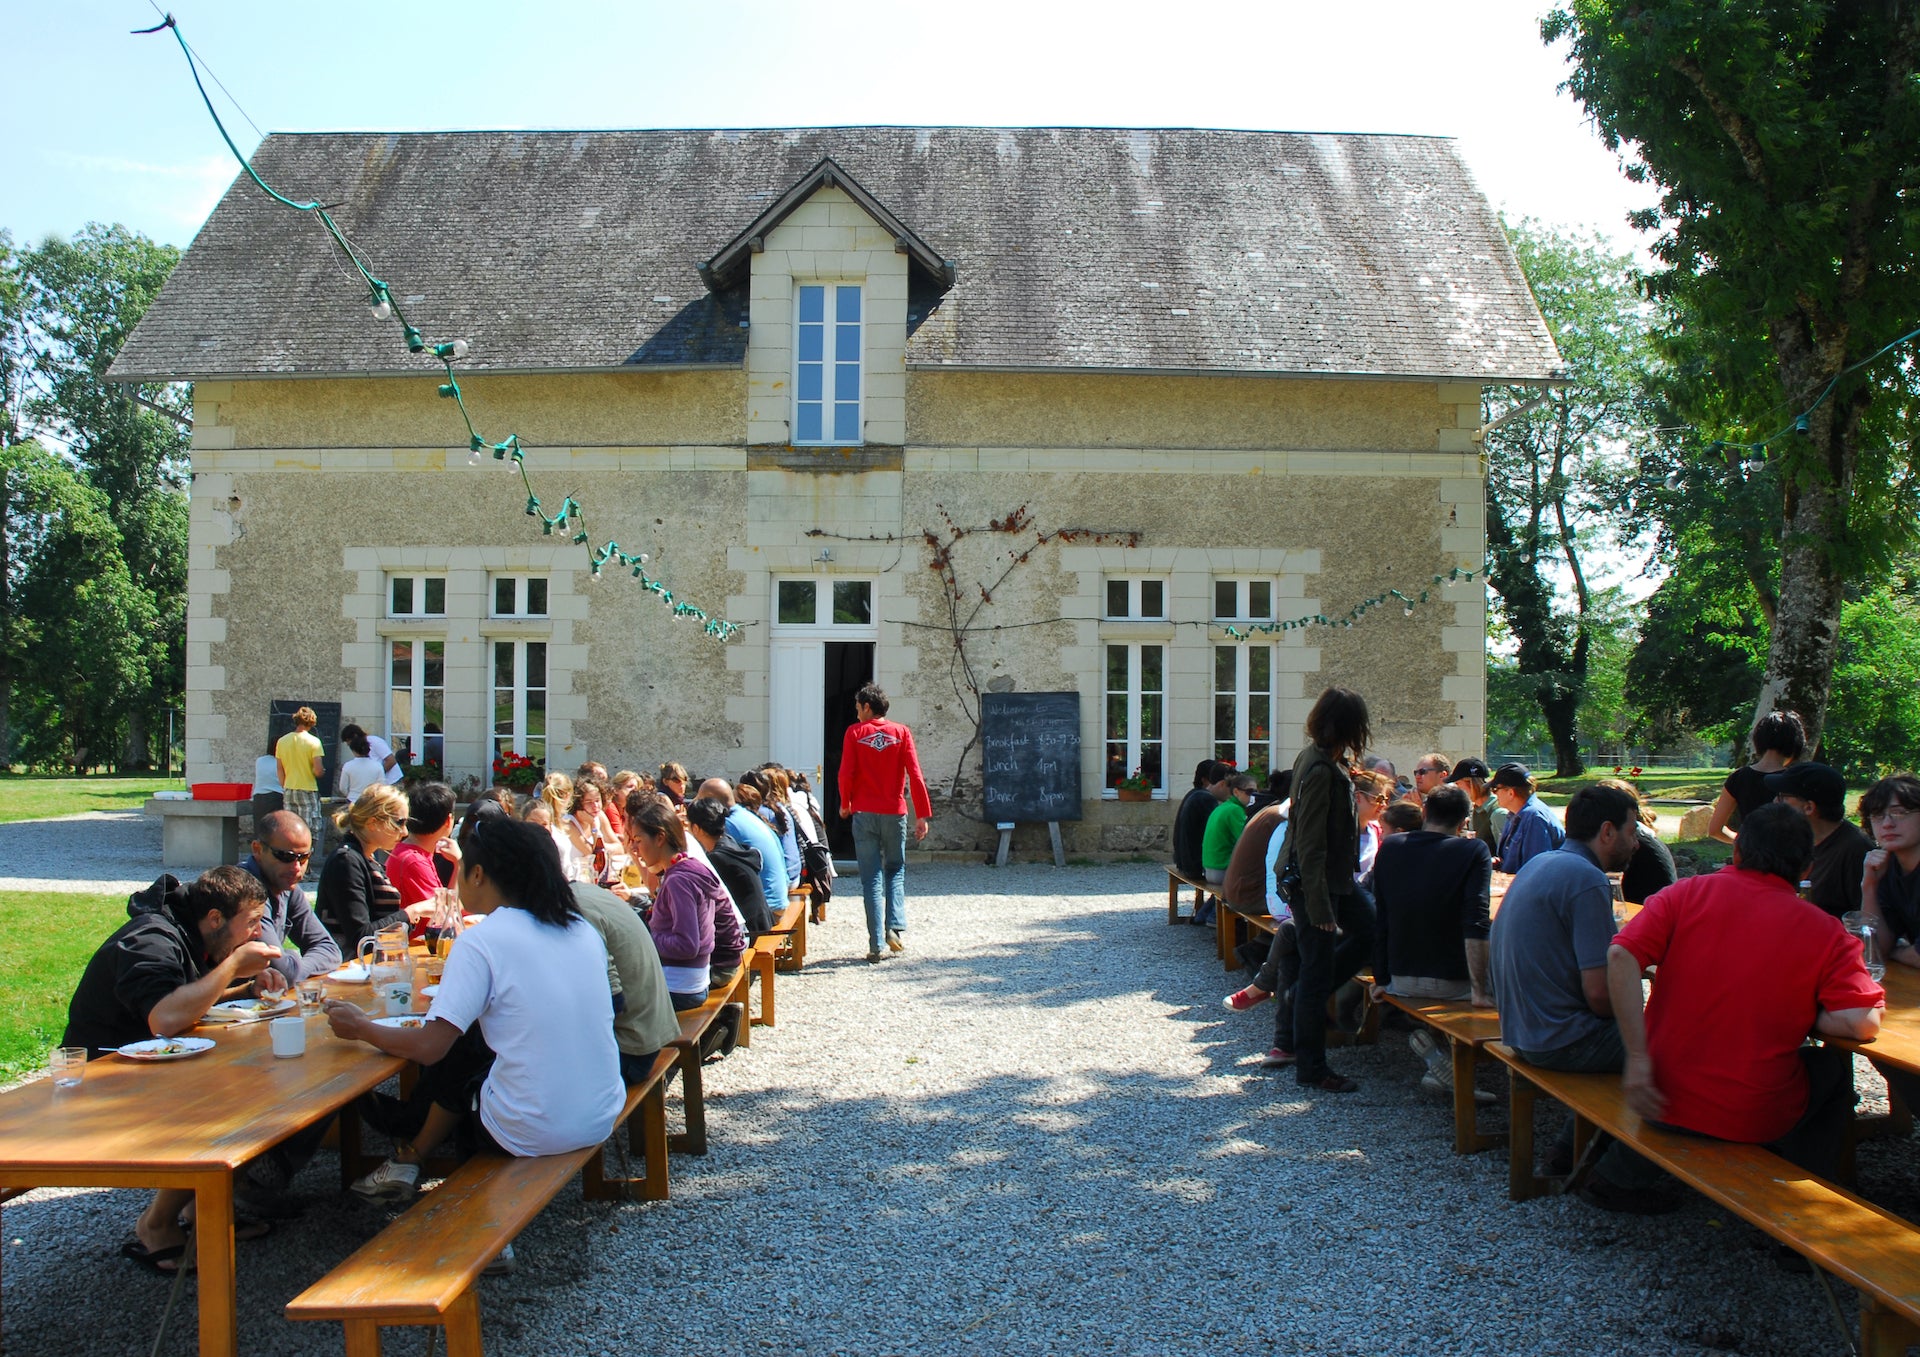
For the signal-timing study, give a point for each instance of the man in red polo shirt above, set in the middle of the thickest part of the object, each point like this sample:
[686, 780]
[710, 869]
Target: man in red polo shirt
[877, 767]
[1748, 970]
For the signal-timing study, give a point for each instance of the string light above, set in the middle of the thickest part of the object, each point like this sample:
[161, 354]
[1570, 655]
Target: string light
[1408, 602]
[507, 451]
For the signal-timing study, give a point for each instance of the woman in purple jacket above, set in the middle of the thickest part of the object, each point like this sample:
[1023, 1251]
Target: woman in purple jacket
[694, 926]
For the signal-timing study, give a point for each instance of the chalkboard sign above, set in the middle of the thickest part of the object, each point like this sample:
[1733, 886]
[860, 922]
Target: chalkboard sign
[1030, 746]
[326, 730]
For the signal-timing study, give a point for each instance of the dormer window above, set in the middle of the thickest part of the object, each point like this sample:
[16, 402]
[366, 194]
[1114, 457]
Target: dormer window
[827, 349]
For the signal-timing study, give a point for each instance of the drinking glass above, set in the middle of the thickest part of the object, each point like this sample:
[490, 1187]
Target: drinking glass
[310, 996]
[1873, 948]
[67, 1064]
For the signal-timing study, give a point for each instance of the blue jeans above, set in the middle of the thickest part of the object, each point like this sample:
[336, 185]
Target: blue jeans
[880, 845]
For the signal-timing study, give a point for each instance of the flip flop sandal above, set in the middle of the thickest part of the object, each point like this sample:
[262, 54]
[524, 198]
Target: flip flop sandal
[249, 1227]
[151, 1259]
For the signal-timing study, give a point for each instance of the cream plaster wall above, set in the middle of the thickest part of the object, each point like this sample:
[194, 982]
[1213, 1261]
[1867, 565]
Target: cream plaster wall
[1335, 491]
[828, 239]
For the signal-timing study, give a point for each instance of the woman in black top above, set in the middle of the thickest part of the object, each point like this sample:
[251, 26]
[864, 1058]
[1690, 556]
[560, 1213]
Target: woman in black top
[356, 900]
[1778, 739]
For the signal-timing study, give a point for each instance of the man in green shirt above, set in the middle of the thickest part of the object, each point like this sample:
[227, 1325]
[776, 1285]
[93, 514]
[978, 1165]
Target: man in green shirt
[1224, 826]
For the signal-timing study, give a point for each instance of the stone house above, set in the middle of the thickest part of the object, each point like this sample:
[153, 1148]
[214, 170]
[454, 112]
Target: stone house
[951, 408]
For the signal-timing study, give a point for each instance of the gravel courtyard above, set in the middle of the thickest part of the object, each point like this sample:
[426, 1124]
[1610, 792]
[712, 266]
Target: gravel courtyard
[1036, 1132]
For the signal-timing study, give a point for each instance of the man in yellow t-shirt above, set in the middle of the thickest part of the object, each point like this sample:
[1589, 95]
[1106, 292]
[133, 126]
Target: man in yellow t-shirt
[302, 761]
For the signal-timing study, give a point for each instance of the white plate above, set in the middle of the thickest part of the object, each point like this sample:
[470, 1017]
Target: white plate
[402, 1020]
[428, 991]
[250, 1010]
[167, 1048]
[354, 974]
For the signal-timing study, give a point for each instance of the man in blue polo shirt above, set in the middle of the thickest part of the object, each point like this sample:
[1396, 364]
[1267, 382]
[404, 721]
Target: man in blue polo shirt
[756, 834]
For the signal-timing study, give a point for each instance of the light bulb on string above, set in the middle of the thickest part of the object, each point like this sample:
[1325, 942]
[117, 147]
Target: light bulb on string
[453, 350]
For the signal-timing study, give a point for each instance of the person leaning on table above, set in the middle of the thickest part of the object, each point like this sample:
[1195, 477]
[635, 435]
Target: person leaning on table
[180, 953]
[518, 1045]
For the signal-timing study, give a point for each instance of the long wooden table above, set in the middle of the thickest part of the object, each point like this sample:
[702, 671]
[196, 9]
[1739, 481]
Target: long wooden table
[190, 1124]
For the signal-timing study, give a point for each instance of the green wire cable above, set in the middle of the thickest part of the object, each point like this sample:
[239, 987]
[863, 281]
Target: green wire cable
[447, 354]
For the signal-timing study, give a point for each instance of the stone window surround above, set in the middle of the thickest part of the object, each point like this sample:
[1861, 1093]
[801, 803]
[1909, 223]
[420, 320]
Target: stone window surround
[469, 630]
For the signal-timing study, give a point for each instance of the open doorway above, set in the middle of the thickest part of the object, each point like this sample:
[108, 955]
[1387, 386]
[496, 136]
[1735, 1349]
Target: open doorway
[849, 668]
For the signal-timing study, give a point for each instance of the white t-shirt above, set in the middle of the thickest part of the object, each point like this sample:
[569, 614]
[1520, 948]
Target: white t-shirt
[356, 775]
[266, 775]
[541, 997]
[382, 751]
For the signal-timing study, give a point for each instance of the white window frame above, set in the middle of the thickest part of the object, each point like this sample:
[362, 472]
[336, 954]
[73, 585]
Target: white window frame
[419, 589]
[518, 738]
[1243, 609]
[416, 690]
[1136, 743]
[830, 327]
[1135, 591]
[1241, 744]
[520, 582]
[823, 627]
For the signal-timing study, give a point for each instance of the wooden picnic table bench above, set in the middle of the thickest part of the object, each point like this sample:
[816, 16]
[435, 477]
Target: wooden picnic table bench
[1872, 1250]
[782, 947]
[1175, 880]
[1227, 920]
[1467, 1031]
[421, 1269]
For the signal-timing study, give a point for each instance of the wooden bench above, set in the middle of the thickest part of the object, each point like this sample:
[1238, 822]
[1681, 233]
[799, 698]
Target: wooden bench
[1226, 921]
[1874, 1251]
[1175, 880]
[1468, 1031]
[794, 933]
[420, 1270]
[788, 936]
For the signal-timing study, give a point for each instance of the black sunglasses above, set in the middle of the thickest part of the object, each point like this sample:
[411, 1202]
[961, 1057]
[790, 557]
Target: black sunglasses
[287, 855]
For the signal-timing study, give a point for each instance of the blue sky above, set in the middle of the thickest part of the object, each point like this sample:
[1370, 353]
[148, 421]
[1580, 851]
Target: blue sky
[117, 133]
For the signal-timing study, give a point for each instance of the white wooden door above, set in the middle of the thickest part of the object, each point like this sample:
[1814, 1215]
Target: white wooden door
[797, 689]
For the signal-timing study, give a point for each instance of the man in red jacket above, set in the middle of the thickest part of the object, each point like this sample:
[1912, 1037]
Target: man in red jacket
[877, 767]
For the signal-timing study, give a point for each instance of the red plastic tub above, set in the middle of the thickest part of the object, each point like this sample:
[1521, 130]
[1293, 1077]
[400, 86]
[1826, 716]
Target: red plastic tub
[222, 791]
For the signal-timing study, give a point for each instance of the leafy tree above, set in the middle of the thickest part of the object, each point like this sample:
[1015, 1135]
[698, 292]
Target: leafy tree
[73, 637]
[1873, 726]
[69, 306]
[1783, 138]
[1553, 461]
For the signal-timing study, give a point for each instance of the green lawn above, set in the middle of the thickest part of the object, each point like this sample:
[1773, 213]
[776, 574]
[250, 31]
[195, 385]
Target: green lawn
[29, 797]
[1679, 784]
[45, 940]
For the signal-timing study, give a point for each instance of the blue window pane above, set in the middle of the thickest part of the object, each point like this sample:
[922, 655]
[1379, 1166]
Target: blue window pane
[846, 382]
[813, 304]
[846, 343]
[846, 304]
[807, 427]
[809, 381]
[846, 423]
[812, 342]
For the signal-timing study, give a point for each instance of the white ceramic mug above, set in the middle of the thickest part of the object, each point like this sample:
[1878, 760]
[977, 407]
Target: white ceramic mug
[289, 1036]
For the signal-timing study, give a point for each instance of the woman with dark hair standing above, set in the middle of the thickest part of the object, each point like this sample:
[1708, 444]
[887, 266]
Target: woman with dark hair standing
[519, 1041]
[695, 928]
[1333, 927]
[1779, 738]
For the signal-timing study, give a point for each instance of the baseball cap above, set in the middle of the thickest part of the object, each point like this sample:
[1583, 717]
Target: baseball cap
[1514, 775]
[1469, 768]
[1814, 782]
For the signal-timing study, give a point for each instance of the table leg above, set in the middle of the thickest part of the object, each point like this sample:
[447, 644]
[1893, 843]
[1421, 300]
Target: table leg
[349, 1123]
[213, 1257]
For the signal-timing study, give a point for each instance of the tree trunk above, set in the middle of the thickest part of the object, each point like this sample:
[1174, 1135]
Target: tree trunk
[1814, 521]
[6, 618]
[1559, 671]
[138, 753]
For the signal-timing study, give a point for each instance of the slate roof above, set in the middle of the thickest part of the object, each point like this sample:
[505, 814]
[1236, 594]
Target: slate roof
[1102, 248]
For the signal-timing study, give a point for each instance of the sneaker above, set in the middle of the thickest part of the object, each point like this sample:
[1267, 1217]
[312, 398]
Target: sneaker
[1242, 1000]
[1331, 1083]
[895, 943]
[391, 1182]
[1277, 1059]
[1630, 1201]
[876, 955]
[1421, 1043]
[503, 1263]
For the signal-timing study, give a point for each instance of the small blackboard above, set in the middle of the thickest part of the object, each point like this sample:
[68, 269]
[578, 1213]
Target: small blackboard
[1030, 756]
[326, 730]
